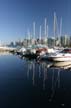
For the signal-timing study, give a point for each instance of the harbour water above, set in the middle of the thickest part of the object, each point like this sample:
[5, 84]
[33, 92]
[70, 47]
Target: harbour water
[30, 84]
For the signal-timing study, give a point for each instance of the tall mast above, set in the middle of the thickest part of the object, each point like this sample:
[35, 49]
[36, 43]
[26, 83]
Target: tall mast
[54, 28]
[54, 23]
[60, 31]
[61, 26]
[34, 29]
[28, 34]
[47, 34]
[40, 33]
[45, 28]
[29, 37]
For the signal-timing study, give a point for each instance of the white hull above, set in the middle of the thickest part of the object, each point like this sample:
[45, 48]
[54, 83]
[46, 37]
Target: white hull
[62, 64]
[60, 58]
[64, 55]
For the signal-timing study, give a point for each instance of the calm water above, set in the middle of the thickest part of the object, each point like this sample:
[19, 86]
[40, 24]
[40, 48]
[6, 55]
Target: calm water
[28, 84]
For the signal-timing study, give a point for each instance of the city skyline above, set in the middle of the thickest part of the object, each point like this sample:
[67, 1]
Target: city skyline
[17, 16]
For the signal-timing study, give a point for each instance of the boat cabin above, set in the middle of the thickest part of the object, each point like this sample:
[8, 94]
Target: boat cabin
[67, 50]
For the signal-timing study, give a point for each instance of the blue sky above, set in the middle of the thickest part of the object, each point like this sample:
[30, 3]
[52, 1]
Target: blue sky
[17, 16]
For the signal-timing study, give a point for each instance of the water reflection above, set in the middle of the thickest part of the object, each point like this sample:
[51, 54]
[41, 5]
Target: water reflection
[55, 83]
[44, 76]
[50, 79]
[29, 68]
[31, 81]
[33, 76]
[40, 71]
[46, 81]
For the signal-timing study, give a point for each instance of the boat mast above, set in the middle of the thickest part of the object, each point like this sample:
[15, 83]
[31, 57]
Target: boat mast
[40, 34]
[56, 31]
[45, 29]
[47, 34]
[54, 28]
[28, 34]
[60, 31]
[29, 37]
[34, 30]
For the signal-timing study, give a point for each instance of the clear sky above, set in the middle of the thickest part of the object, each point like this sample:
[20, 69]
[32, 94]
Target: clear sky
[16, 16]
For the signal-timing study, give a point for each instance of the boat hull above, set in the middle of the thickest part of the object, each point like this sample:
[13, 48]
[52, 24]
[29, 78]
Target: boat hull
[62, 64]
[60, 58]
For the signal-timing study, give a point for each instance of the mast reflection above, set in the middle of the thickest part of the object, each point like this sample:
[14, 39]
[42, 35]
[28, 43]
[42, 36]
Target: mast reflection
[43, 75]
[55, 83]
